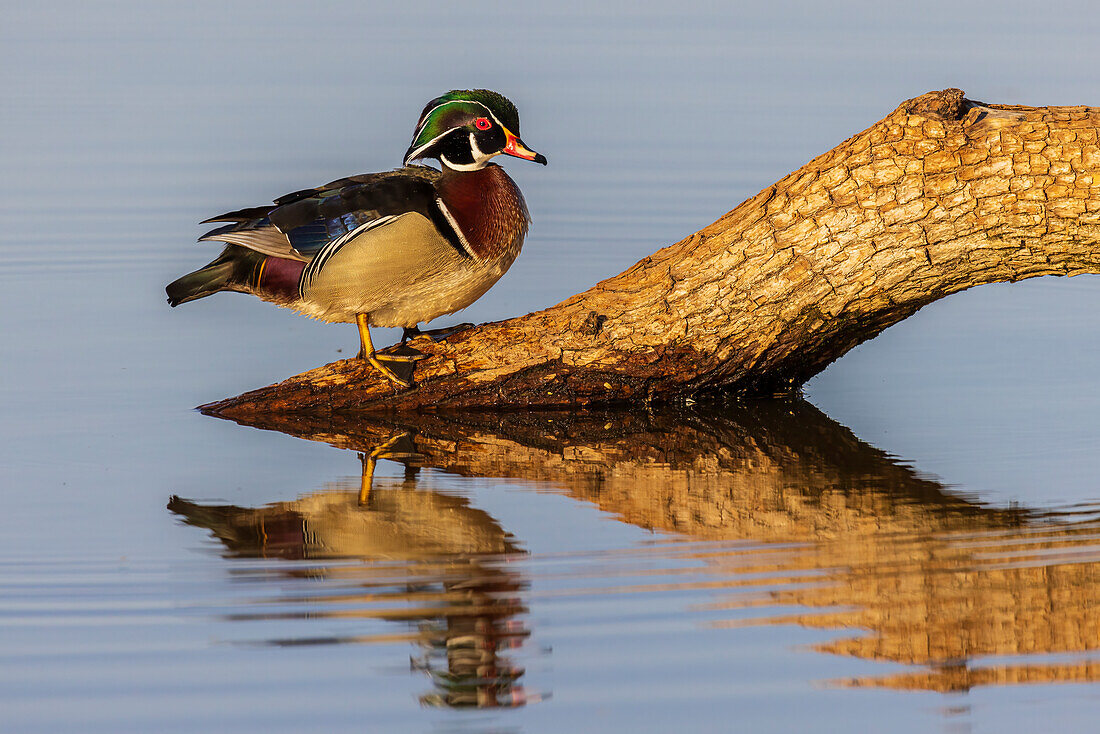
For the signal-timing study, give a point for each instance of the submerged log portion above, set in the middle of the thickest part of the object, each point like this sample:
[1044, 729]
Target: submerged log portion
[942, 195]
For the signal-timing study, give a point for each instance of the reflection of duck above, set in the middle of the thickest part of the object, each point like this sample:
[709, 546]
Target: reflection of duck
[935, 578]
[400, 523]
[429, 560]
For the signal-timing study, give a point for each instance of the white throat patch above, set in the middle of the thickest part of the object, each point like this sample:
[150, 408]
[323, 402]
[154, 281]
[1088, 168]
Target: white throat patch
[481, 159]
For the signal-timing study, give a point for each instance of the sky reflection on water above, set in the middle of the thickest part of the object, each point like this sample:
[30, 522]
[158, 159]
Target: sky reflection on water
[765, 569]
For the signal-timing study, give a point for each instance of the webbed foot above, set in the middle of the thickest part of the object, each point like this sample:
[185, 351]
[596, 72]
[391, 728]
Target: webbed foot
[436, 335]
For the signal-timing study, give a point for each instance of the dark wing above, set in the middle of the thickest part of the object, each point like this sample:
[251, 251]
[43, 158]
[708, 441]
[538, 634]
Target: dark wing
[300, 224]
[313, 218]
[252, 229]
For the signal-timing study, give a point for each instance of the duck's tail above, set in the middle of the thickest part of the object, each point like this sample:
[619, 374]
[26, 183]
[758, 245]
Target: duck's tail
[236, 269]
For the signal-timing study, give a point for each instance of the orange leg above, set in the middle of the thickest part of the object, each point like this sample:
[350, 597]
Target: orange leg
[366, 351]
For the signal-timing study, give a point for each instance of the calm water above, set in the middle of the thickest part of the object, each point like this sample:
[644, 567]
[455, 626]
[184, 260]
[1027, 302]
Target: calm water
[917, 548]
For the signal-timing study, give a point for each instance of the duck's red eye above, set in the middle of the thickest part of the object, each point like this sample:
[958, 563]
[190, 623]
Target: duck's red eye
[483, 123]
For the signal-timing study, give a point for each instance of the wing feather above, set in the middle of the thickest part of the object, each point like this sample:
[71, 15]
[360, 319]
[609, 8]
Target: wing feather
[267, 240]
[302, 224]
[241, 215]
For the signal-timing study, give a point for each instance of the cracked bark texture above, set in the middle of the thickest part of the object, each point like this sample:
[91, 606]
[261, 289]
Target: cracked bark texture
[942, 195]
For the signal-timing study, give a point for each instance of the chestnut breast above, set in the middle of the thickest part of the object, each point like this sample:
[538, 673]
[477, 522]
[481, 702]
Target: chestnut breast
[489, 209]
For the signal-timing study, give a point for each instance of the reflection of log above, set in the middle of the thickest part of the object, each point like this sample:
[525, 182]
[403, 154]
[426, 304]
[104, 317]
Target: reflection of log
[947, 601]
[774, 469]
[926, 576]
[941, 195]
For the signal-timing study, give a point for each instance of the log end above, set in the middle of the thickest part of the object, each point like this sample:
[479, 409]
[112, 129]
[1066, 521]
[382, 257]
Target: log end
[948, 105]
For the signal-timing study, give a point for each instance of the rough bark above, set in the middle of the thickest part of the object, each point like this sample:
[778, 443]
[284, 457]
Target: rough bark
[942, 195]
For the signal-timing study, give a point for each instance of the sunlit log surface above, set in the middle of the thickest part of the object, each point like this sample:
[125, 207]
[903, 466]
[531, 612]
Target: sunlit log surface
[943, 194]
[920, 574]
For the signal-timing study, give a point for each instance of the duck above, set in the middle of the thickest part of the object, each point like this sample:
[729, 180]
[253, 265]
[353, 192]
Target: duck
[389, 249]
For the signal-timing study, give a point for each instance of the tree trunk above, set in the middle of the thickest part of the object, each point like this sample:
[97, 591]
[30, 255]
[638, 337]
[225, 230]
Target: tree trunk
[942, 195]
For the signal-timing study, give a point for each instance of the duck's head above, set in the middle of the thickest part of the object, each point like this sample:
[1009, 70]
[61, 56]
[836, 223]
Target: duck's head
[465, 128]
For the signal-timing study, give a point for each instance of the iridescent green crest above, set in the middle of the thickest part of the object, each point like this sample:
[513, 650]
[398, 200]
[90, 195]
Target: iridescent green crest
[458, 108]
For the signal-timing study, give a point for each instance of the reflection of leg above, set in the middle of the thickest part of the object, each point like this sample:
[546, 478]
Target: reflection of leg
[366, 479]
[382, 451]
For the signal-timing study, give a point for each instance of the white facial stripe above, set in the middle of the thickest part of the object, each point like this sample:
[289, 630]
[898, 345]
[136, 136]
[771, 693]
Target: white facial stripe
[475, 166]
[417, 153]
[479, 155]
[424, 119]
[480, 158]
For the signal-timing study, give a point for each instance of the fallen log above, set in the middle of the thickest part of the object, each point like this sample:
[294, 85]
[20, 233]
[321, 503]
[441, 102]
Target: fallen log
[943, 194]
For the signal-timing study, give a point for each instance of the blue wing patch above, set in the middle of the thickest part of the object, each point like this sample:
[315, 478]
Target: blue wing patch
[309, 238]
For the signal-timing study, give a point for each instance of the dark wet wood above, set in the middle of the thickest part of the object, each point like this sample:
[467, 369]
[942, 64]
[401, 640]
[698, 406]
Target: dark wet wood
[941, 195]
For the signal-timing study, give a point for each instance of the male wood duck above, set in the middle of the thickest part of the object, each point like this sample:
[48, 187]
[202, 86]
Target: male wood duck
[386, 249]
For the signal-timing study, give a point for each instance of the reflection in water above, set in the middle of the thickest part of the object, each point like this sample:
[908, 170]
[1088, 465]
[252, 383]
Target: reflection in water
[423, 559]
[951, 602]
[972, 594]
